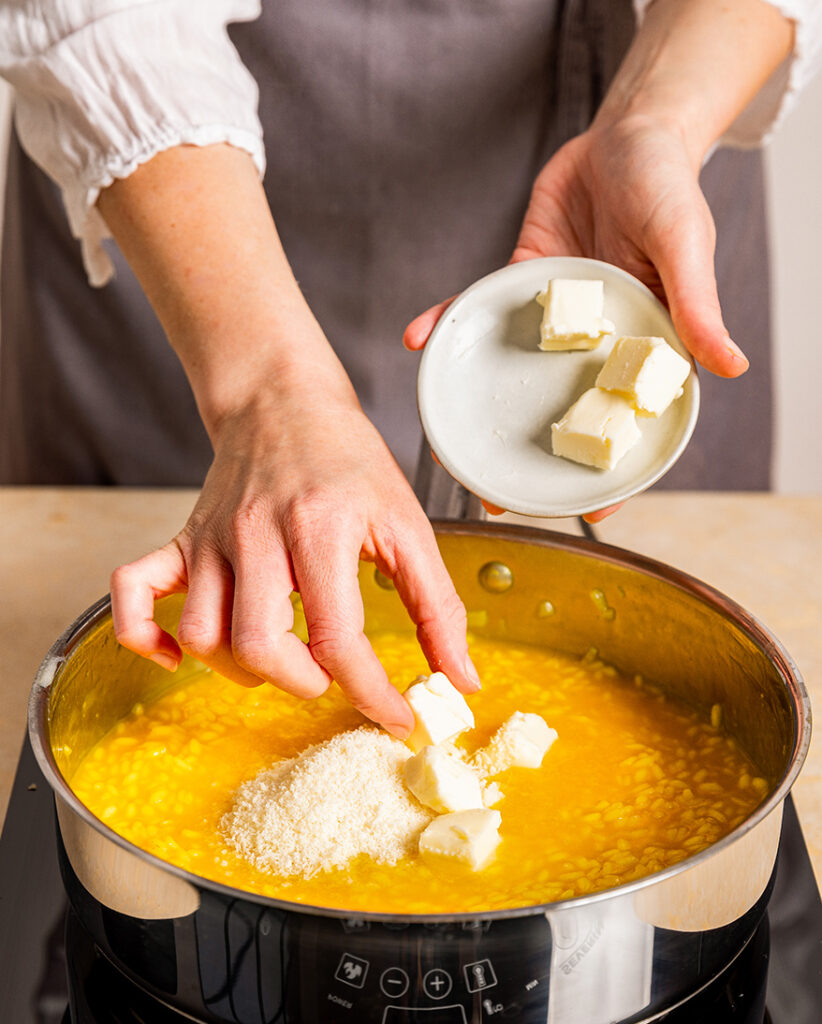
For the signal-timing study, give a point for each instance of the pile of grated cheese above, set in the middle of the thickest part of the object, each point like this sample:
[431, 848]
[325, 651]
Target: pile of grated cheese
[335, 801]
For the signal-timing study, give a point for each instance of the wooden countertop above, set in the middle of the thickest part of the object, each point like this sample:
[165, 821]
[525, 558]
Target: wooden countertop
[59, 546]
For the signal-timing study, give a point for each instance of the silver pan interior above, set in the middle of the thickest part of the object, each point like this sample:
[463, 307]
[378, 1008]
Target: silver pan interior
[520, 584]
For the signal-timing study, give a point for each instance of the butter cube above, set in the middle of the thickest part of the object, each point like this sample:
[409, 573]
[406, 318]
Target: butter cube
[598, 429]
[466, 837]
[492, 794]
[646, 371]
[573, 315]
[440, 711]
[521, 741]
[442, 782]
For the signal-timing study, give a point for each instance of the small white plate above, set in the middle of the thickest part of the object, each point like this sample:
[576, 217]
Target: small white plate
[488, 395]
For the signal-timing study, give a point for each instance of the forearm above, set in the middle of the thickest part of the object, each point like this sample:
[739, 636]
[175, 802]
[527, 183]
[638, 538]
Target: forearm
[696, 64]
[195, 226]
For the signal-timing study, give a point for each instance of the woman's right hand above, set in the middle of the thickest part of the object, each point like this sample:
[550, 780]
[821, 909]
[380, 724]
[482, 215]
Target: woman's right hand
[301, 487]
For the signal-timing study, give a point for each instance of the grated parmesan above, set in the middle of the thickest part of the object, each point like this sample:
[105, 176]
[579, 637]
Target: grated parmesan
[336, 801]
[522, 740]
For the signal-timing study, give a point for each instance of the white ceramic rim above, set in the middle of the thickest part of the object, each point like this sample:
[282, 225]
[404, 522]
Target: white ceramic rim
[578, 489]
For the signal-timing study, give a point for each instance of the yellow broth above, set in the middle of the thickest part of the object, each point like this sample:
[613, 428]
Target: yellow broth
[635, 782]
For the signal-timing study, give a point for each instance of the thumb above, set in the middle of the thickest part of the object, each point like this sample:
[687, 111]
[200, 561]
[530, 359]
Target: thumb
[685, 264]
[419, 330]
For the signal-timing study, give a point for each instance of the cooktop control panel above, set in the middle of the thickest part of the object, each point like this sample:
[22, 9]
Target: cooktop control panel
[455, 973]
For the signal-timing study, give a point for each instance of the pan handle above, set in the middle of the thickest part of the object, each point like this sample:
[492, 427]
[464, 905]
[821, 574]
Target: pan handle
[443, 498]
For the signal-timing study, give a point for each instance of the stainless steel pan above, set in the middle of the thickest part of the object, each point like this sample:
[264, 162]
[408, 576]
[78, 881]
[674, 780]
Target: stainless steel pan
[628, 954]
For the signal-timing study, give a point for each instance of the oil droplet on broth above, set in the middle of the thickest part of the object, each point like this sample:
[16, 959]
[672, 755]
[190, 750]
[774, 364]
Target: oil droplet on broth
[601, 604]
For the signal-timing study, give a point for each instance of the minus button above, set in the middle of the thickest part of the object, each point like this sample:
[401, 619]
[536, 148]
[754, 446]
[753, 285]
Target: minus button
[394, 982]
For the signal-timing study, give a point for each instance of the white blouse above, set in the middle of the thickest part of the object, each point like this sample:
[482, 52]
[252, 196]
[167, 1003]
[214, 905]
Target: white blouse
[758, 121]
[103, 85]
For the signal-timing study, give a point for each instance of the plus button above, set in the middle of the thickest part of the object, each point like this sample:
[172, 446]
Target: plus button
[437, 983]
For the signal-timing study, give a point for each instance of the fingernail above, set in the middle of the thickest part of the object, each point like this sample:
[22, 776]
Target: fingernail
[402, 732]
[737, 353]
[166, 661]
[471, 672]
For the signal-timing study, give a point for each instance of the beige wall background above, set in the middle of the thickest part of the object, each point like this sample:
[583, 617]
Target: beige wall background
[793, 158]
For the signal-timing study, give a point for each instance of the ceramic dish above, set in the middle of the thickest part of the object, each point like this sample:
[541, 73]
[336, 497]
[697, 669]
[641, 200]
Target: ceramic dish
[488, 395]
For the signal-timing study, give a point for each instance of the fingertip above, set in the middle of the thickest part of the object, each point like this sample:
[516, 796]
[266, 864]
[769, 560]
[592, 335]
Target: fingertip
[246, 682]
[472, 675]
[416, 334]
[413, 339]
[736, 361]
[494, 510]
[167, 661]
[398, 730]
[724, 360]
[712, 347]
[394, 715]
[602, 513]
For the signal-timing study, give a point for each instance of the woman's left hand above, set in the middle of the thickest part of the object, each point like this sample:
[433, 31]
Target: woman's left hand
[628, 194]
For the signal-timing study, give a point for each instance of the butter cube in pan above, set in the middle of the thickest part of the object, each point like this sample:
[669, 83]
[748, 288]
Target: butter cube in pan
[466, 837]
[647, 371]
[573, 315]
[598, 429]
[442, 782]
[440, 711]
[521, 741]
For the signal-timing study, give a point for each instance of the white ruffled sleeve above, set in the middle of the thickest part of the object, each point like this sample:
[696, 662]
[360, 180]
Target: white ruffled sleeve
[101, 86]
[758, 121]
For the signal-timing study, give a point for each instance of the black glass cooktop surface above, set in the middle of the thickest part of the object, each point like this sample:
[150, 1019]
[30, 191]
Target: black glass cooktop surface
[781, 965]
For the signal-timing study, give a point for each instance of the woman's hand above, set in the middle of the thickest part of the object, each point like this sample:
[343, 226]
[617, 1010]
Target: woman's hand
[297, 493]
[627, 190]
[301, 485]
[628, 194]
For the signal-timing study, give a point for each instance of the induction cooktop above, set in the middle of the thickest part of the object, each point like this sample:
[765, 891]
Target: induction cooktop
[41, 946]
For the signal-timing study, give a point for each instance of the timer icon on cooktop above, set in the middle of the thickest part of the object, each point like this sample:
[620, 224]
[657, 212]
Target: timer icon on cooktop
[479, 975]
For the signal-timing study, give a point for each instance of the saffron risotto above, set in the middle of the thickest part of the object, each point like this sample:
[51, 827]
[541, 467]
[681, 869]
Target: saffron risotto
[636, 781]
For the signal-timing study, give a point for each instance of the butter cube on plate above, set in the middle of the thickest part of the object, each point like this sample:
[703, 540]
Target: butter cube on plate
[521, 741]
[598, 429]
[646, 371]
[465, 837]
[573, 315]
[442, 782]
[440, 711]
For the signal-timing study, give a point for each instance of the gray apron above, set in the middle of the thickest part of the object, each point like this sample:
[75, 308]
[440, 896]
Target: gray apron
[403, 138]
